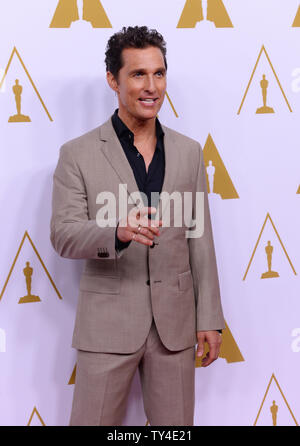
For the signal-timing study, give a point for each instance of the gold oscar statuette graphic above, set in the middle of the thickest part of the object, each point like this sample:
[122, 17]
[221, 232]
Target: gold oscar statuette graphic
[219, 184]
[274, 406]
[229, 349]
[17, 90]
[80, 14]
[28, 271]
[274, 410]
[210, 171]
[264, 87]
[296, 22]
[36, 412]
[210, 14]
[269, 274]
[269, 252]
[298, 191]
[29, 297]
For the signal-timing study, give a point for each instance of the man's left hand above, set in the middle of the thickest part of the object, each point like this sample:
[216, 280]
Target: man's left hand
[214, 340]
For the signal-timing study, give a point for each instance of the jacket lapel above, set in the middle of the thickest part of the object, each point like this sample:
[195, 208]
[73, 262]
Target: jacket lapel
[115, 155]
[171, 167]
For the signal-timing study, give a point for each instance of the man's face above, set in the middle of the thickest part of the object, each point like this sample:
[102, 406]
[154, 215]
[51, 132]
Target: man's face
[141, 83]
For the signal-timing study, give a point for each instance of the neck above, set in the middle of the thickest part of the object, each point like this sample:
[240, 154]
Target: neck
[140, 128]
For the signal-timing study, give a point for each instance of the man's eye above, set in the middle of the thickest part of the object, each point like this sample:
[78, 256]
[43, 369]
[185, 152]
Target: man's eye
[138, 74]
[159, 73]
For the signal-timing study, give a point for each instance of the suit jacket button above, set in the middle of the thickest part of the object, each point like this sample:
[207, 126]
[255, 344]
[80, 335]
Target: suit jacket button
[148, 282]
[103, 253]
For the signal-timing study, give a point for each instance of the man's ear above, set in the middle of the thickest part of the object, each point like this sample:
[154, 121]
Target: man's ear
[112, 81]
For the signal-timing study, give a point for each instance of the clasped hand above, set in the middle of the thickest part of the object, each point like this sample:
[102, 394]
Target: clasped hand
[138, 227]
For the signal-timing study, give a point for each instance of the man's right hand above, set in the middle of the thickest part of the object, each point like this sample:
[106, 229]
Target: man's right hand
[138, 227]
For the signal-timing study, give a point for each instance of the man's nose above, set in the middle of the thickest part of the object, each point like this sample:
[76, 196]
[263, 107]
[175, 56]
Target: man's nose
[150, 84]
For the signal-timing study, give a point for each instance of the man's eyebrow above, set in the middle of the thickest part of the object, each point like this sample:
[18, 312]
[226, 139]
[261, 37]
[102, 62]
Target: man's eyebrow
[142, 70]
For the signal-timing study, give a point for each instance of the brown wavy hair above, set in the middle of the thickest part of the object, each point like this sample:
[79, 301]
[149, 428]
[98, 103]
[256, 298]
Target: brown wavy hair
[131, 37]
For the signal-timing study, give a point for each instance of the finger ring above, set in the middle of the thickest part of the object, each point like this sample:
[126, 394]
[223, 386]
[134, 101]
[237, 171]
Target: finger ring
[139, 228]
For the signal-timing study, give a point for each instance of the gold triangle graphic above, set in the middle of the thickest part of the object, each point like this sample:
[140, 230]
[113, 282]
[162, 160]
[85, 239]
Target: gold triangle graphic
[193, 13]
[256, 245]
[73, 376]
[298, 191]
[67, 12]
[229, 349]
[265, 395]
[251, 77]
[35, 411]
[296, 22]
[172, 106]
[40, 259]
[15, 51]
[222, 183]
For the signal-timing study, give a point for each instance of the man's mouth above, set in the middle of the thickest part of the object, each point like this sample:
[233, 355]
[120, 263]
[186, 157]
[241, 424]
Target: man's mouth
[148, 101]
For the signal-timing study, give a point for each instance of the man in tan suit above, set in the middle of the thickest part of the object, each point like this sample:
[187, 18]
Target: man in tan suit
[149, 290]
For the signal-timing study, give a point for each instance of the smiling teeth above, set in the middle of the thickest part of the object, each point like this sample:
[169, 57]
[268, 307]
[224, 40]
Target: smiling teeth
[147, 100]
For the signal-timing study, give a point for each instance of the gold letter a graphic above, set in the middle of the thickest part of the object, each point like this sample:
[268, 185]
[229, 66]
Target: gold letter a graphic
[67, 12]
[193, 13]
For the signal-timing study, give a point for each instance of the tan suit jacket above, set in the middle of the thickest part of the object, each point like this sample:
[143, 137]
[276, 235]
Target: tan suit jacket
[115, 305]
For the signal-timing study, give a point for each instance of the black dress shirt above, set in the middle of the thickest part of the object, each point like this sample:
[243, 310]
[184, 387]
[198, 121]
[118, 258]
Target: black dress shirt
[147, 182]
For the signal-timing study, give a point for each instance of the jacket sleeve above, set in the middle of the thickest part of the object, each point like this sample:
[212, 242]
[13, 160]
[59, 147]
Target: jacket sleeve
[72, 233]
[203, 263]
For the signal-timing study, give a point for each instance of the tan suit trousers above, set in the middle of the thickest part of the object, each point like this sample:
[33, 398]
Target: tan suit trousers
[103, 382]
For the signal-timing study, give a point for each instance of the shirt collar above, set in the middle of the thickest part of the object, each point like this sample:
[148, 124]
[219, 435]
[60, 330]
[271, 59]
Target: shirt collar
[123, 131]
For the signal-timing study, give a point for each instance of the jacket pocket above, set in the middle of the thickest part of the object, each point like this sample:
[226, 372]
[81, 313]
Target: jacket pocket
[100, 284]
[185, 280]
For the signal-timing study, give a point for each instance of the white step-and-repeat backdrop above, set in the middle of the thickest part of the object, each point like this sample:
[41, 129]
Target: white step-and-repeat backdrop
[234, 85]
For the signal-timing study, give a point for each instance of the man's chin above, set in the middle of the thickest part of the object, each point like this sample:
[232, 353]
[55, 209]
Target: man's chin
[148, 114]
[145, 116]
